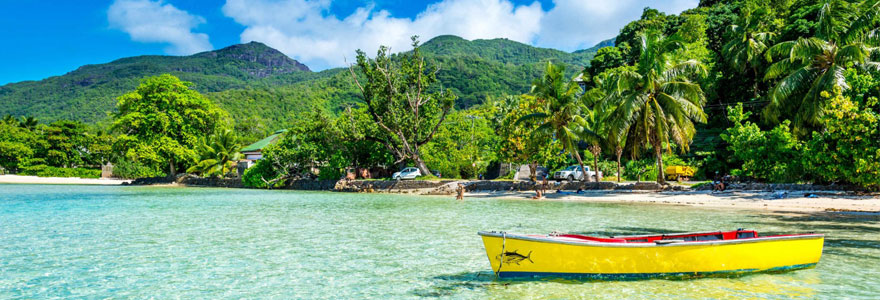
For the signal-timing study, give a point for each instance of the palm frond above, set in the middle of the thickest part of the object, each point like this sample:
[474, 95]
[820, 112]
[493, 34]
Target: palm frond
[797, 82]
[685, 69]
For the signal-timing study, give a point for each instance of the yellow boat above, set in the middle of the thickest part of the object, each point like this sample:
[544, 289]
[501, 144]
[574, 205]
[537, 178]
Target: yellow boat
[677, 255]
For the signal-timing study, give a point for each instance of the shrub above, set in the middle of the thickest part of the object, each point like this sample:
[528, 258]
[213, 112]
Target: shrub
[132, 169]
[772, 156]
[48, 171]
[329, 173]
[253, 176]
[848, 149]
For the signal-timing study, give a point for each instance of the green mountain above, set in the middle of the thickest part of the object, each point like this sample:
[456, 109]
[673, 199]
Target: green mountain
[89, 92]
[263, 89]
[502, 50]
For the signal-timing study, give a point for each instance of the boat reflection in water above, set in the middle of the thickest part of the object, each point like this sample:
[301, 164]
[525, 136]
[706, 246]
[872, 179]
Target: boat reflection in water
[680, 255]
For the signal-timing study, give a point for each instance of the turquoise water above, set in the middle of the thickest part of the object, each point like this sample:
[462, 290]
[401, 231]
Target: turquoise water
[157, 242]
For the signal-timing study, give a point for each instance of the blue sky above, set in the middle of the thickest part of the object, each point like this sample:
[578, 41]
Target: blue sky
[43, 38]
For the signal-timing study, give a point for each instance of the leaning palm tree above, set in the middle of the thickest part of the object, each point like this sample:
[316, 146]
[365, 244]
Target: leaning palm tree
[657, 103]
[847, 34]
[746, 50]
[219, 156]
[559, 96]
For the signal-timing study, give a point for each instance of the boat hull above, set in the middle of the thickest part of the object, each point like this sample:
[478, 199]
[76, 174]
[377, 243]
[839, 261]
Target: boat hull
[531, 256]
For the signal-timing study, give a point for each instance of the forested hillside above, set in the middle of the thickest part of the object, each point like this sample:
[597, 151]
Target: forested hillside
[261, 87]
[87, 94]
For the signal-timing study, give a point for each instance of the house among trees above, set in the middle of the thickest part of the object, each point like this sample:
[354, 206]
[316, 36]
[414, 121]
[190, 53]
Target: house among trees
[254, 152]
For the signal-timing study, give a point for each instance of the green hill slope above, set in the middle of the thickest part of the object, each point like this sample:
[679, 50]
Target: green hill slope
[88, 93]
[261, 87]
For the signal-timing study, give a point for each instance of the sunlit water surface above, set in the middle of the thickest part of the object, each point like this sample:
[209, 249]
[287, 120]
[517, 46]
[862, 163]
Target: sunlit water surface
[159, 242]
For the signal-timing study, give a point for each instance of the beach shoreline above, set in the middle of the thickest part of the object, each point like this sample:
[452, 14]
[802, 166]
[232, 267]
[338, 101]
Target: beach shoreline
[20, 179]
[833, 201]
[794, 201]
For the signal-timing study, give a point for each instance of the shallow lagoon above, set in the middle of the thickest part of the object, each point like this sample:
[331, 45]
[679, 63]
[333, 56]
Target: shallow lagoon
[138, 242]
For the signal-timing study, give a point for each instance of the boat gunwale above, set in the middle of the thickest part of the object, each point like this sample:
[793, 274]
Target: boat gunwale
[548, 239]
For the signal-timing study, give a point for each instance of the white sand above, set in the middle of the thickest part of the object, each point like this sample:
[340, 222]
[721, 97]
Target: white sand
[795, 201]
[58, 180]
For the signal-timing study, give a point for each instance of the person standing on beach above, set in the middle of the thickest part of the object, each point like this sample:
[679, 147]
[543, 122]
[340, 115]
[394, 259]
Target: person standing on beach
[460, 191]
[544, 184]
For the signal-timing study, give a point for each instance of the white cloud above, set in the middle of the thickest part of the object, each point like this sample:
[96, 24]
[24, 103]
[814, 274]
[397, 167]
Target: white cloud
[158, 22]
[303, 30]
[579, 24]
[306, 31]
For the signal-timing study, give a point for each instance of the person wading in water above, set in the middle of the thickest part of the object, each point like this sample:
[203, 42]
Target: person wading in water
[460, 191]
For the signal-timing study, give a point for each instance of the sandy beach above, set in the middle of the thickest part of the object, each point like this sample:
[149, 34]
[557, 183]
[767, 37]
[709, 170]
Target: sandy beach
[58, 180]
[752, 200]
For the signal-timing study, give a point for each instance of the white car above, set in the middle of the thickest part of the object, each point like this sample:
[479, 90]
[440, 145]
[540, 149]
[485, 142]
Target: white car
[407, 173]
[573, 173]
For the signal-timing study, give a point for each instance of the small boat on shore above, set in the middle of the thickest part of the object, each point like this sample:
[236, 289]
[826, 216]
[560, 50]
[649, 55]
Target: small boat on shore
[678, 255]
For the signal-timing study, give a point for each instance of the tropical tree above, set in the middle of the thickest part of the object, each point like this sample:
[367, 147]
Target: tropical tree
[403, 101]
[163, 122]
[657, 103]
[847, 34]
[745, 51]
[561, 115]
[517, 142]
[603, 108]
[594, 128]
[218, 157]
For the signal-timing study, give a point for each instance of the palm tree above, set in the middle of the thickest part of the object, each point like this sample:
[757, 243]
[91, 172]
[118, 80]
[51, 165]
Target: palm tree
[657, 103]
[846, 35]
[28, 122]
[218, 158]
[9, 119]
[595, 119]
[746, 49]
[563, 107]
[604, 107]
[593, 128]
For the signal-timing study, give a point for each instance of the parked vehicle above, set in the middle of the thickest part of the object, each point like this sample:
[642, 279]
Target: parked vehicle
[573, 173]
[407, 173]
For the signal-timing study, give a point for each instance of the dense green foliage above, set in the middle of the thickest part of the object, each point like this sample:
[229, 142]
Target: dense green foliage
[218, 156]
[773, 156]
[62, 148]
[560, 116]
[265, 89]
[49, 171]
[848, 149]
[463, 146]
[398, 97]
[519, 140]
[165, 122]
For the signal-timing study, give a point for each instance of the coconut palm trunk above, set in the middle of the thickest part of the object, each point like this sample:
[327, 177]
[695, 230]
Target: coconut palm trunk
[619, 152]
[658, 155]
[580, 163]
[596, 150]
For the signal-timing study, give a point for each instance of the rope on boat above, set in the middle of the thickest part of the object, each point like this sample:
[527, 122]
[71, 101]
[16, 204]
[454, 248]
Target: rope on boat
[501, 257]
